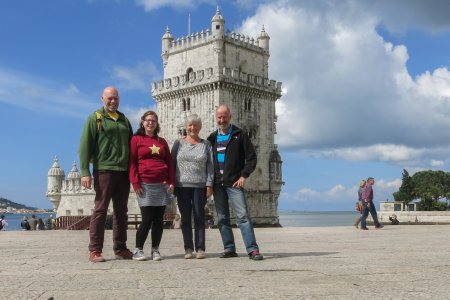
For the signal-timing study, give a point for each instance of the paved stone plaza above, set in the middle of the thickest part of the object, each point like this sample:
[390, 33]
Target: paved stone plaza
[397, 262]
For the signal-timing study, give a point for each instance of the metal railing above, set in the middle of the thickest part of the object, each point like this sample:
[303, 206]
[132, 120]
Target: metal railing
[82, 222]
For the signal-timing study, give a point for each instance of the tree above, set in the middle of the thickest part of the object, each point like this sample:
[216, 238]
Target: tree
[431, 187]
[405, 192]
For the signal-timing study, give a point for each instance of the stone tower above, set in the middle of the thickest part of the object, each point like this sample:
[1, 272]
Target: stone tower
[206, 69]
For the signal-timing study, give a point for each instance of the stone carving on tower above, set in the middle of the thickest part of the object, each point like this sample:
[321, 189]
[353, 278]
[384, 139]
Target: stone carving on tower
[206, 69]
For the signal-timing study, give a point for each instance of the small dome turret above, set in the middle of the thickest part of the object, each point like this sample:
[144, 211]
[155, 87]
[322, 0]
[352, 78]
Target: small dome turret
[218, 24]
[167, 35]
[54, 183]
[74, 174]
[218, 16]
[55, 170]
[263, 33]
[263, 39]
[167, 40]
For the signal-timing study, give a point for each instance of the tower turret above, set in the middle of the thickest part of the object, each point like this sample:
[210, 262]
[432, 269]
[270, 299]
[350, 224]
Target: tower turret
[74, 178]
[55, 178]
[218, 25]
[263, 40]
[167, 40]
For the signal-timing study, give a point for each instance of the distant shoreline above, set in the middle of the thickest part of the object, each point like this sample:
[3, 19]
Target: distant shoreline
[27, 212]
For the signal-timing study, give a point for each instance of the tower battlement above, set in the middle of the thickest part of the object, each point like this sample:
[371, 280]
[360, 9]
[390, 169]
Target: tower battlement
[212, 74]
[205, 37]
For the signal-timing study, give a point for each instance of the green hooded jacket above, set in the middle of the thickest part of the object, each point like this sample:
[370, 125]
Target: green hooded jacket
[105, 143]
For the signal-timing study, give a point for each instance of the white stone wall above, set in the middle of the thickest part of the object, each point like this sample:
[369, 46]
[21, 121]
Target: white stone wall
[416, 217]
[82, 203]
[179, 62]
[248, 61]
[79, 204]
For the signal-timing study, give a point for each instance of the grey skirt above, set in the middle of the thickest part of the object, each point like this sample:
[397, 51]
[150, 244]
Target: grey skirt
[155, 194]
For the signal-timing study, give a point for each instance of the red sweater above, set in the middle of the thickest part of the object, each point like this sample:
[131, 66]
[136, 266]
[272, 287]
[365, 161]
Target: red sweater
[150, 161]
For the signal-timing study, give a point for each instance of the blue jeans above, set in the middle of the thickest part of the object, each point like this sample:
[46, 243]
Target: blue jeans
[365, 214]
[192, 200]
[223, 197]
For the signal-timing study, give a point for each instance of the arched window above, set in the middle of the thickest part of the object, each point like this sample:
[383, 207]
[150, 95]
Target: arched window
[189, 74]
[183, 104]
[248, 104]
[188, 104]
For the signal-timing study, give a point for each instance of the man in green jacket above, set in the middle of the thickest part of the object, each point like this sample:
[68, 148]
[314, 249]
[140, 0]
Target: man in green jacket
[105, 143]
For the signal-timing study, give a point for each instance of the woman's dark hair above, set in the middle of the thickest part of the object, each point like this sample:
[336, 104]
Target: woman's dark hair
[141, 129]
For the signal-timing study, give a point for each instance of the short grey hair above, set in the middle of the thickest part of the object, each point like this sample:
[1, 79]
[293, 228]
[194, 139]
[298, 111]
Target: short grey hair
[194, 118]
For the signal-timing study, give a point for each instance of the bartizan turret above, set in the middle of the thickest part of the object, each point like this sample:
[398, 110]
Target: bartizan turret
[73, 181]
[55, 179]
[217, 25]
[263, 40]
[167, 40]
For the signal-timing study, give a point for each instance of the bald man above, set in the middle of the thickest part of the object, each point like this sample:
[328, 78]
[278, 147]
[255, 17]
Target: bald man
[105, 143]
[234, 160]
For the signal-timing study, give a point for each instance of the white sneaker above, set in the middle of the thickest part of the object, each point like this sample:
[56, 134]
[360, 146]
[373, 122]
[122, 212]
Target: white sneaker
[156, 255]
[188, 253]
[138, 254]
[201, 254]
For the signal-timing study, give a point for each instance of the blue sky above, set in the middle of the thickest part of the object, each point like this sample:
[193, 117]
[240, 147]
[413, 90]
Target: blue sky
[366, 85]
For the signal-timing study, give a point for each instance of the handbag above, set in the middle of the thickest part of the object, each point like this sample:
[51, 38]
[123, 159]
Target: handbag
[358, 206]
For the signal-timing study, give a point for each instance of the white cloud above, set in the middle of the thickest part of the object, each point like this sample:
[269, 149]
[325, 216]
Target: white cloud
[347, 91]
[134, 114]
[338, 197]
[41, 95]
[385, 185]
[436, 163]
[150, 5]
[138, 77]
[381, 152]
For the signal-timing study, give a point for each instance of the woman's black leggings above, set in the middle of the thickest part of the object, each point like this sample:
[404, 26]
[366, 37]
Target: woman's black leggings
[152, 218]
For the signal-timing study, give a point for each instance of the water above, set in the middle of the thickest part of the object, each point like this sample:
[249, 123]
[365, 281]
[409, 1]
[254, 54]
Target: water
[317, 218]
[14, 220]
[287, 218]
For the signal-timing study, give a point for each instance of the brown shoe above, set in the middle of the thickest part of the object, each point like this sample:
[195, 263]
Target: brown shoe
[124, 254]
[96, 256]
[255, 255]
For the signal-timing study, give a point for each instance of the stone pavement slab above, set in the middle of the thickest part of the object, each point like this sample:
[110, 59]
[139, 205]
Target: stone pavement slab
[397, 262]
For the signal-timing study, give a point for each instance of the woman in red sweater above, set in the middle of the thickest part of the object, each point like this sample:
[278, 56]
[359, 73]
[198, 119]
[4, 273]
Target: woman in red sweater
[152, 176]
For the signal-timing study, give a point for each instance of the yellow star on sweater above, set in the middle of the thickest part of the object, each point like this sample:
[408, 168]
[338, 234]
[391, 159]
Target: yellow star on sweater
[155, 150]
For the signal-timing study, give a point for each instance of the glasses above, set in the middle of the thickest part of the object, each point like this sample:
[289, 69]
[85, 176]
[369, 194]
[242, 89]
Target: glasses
[151, 121]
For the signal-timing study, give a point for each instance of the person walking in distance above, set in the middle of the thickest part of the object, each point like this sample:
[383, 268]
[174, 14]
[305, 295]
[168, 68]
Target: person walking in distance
[105, 143]
[368, 205]
[359, 205]
[234, 161]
